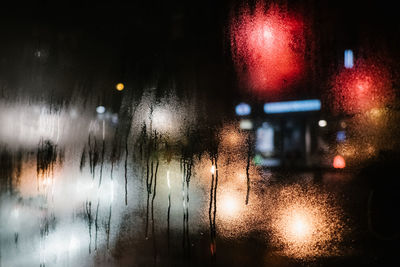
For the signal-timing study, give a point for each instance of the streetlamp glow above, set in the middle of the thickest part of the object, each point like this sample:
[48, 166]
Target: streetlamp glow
[322, 123]
[100, 109]
[120, 86]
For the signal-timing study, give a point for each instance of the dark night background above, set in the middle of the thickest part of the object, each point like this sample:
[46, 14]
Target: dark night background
[87, 47]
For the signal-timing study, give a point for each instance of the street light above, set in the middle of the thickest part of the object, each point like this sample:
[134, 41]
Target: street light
[322, 123]
[120, 86]
[100, 109]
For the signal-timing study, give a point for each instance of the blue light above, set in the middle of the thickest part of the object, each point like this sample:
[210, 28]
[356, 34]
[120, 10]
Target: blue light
[292, 106]
[348, 59]
[341, 136]
[243, 109]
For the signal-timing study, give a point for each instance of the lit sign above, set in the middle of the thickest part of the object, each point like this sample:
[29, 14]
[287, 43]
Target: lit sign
[243, 109]
[292, 106]
[348, 59]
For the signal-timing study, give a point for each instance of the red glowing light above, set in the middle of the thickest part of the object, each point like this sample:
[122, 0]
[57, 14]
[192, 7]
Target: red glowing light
[267, 48]
[339, 162]
[362, 88]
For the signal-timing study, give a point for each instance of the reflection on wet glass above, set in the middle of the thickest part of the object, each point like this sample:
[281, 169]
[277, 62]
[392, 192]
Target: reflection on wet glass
[168, 154]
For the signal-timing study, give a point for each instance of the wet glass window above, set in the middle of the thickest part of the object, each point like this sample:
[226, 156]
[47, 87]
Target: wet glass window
[199, 133]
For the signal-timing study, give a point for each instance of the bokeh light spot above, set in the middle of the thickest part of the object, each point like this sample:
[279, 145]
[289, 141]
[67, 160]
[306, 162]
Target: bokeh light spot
[120, 86]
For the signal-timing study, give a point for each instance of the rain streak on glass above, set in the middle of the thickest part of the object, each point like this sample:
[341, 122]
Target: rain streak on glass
[205, 134]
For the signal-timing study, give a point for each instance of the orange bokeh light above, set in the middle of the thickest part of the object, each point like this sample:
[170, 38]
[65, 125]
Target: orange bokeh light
[120, 86]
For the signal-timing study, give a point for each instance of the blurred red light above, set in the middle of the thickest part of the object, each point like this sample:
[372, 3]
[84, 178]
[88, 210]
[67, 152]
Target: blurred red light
[267, 48]
[339, 162]
[364, 87]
